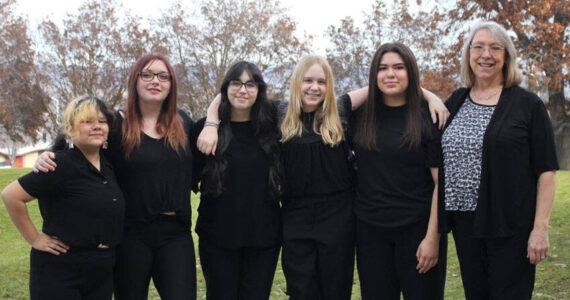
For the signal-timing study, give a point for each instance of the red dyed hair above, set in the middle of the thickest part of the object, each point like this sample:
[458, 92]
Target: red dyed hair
[169, 123]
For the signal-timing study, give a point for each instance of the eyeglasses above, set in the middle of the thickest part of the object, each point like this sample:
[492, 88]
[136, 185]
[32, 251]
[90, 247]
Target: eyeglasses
[149, 76]
[494, 50]
[250, 86]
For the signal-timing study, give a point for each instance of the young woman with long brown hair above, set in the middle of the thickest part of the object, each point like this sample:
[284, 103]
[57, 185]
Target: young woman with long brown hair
[397, 152]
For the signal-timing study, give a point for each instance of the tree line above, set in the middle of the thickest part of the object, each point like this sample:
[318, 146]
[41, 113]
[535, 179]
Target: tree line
[93, 48]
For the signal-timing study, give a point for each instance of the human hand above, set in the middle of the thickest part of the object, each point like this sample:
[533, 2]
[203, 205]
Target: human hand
[208, 140]
[538, 246]
[427, 254]
[438, 111]
[46, 243]
[44, 162]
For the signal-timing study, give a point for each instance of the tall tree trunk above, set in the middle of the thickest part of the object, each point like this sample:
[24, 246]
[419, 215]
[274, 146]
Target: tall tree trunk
[561, 126]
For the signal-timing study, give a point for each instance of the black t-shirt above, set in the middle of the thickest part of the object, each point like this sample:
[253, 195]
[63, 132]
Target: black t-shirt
[154, 178]
[79, 204]
[244, 215]
[313, 168]
[394, 183]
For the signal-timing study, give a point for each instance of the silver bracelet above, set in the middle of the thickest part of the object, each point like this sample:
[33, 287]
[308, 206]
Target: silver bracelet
[212, 123]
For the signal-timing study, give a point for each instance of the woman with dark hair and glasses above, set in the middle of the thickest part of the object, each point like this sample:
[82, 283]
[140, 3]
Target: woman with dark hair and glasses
[82, 210]
[397, 152]
[239, 216]
[149, 149]
[318, 223]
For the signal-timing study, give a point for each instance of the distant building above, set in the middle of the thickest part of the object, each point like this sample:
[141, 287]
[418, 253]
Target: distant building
[25, 156]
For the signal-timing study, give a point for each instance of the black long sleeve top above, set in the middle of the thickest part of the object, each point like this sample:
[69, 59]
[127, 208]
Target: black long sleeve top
[312, 168]
[244, 214]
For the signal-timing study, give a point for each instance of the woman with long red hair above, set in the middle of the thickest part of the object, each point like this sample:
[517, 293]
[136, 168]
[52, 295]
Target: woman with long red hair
[148, 147]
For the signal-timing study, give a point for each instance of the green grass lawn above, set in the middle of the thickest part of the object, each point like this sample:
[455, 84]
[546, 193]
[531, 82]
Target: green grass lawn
[552, 280]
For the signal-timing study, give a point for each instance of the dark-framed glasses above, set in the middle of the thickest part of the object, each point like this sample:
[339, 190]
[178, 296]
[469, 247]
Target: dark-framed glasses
[494, 50]
[149, 76]
[250, 86]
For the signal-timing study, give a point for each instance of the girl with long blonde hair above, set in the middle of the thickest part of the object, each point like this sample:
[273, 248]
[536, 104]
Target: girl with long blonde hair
[318, 223]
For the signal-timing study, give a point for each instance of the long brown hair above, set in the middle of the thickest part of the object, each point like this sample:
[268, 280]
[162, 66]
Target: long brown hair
[365, 130]
[169, 123]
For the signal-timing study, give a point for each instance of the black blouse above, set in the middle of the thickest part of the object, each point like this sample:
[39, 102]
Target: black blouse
[79, 204]
[394, 183]
[244, 215]
[154, 178]
[518, 146]
[313, 168]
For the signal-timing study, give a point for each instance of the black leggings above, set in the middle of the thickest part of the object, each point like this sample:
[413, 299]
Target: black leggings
[77, 274]
[162, 250]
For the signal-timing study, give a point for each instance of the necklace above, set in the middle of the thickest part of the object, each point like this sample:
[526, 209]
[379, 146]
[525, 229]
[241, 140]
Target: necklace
[481, 98]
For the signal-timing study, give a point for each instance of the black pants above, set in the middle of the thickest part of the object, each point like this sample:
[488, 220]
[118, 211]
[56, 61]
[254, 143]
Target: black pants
[162, 250]
[77, 274]
[318, 248]
[243, 273]
[387, 263]
[492, 268]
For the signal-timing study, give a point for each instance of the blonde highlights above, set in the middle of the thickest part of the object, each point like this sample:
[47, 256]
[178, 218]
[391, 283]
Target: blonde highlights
[327, 122]
[81, 109]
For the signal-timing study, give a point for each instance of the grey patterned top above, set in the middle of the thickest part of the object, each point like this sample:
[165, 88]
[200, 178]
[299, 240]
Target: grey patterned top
[462, 146]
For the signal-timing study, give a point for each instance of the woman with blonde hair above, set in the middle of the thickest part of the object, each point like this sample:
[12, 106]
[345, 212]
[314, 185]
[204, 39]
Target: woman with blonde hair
[317, 217]
[149, 149]
[318, 224]
[74, 254]
[497, 181]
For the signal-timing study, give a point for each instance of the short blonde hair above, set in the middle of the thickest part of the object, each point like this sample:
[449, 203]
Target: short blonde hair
[512, 75]
[83, 109]
[327, 122]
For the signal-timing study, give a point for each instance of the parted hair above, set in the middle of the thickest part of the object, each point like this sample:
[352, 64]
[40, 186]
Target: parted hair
[263, 120]
[169, 123]
[364, 131]
[326, 122]
[512, 74]
[80, 109]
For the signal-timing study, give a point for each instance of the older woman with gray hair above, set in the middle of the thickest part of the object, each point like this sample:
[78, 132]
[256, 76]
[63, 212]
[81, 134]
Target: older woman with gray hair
[497, 181]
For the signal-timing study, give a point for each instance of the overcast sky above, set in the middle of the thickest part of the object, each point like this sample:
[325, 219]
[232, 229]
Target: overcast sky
[312, 16]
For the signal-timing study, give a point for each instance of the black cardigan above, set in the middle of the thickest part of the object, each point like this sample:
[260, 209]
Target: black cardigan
[518, 146]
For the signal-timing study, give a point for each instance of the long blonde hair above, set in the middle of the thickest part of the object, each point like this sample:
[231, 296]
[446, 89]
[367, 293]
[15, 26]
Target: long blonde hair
[327, 122]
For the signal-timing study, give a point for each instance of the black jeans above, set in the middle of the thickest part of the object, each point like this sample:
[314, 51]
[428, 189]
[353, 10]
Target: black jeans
[318, 248]
[242, 273]
[162, 250]
[77, 274]
[492, 268]
[387, 262]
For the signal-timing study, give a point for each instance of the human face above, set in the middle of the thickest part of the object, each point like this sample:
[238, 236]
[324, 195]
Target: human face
[313, 88]
[154, 91]
[90, 134]
[392, 78]
[487, 67]
[242, 98]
